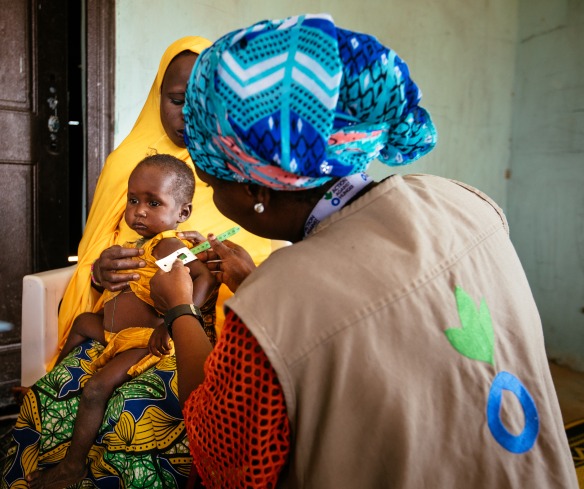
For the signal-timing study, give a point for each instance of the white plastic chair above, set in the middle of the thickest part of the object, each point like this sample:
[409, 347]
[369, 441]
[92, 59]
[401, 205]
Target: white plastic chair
[41, 295]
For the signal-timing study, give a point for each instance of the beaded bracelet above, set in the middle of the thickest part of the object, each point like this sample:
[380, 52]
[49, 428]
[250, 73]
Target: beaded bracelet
[95, 282]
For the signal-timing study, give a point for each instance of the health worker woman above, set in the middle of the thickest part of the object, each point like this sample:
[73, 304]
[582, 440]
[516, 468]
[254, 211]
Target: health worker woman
[375, 351]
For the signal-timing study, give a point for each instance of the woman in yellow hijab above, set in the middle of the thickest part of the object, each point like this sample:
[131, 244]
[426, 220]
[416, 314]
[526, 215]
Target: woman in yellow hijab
[141, 441]
[105, 225]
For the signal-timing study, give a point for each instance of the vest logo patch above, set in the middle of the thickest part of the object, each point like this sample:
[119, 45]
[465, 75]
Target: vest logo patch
[522, 442]
[475, 339]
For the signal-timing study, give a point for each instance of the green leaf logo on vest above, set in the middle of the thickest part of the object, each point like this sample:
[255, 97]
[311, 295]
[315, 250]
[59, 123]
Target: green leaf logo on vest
[476, 340]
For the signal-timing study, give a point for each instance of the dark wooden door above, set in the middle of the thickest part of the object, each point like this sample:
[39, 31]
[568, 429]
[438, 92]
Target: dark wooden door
[51, 148]
[34, 198]
[19, 113]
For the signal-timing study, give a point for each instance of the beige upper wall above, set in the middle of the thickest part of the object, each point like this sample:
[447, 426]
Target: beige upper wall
[460, 53]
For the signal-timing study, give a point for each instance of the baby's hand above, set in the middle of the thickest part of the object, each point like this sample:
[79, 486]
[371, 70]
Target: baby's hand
[159, 343]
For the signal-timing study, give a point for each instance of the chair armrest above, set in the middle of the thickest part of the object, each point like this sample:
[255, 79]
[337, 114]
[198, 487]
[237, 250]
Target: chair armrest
[41, 295]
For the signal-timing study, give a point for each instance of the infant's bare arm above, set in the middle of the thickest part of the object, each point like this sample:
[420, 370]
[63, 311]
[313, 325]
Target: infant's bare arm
[204, 282]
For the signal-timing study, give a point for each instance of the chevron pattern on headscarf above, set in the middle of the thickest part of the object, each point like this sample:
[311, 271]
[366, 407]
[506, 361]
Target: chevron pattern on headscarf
[281, 93]
[291, 103]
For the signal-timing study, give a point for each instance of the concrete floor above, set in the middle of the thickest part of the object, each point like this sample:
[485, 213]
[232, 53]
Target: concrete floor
[570, 389]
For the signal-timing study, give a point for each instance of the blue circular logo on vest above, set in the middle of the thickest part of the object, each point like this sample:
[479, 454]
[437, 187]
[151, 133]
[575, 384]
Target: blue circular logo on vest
[522, 442]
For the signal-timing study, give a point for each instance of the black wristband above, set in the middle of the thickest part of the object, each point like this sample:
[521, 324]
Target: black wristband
[182, 310]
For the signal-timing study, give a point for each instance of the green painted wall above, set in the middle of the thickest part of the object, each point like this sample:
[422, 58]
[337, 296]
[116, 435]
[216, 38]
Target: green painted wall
[546, 191]
[461, 54]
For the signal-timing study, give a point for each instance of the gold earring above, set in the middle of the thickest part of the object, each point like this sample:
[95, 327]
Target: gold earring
[259, 208]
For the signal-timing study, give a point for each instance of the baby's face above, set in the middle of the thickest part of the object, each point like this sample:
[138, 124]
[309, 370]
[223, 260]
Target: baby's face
[172, 96]
[151, 207]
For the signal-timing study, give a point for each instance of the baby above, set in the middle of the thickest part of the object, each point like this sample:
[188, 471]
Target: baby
[160, 193]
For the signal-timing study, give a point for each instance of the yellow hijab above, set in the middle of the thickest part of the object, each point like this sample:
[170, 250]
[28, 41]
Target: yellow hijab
[106, 226]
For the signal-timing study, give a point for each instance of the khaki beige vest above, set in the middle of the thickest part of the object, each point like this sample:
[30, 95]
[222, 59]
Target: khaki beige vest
[378, 394]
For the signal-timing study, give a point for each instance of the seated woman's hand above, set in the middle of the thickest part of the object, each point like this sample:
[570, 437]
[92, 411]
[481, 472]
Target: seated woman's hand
[169, 289]
[229, 262]
[113, 268]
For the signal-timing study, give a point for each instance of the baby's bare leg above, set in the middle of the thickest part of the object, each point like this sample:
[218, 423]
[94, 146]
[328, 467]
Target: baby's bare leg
[86, 326]
[92, 405]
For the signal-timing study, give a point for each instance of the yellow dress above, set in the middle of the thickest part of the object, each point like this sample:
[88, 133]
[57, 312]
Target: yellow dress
[135, 336]
[141, 287]
[105, 225]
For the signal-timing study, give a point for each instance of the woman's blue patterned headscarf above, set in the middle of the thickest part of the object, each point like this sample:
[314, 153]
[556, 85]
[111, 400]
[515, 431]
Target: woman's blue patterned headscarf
[290, 104]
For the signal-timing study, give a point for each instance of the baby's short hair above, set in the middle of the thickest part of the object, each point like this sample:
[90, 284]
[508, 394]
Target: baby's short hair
[184, 179]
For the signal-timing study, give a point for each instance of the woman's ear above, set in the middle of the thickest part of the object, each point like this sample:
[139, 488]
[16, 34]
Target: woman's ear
[259, 193]
[185, 212]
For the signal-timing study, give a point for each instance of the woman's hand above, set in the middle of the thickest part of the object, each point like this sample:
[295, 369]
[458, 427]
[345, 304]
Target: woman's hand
[159, 342]
[192, 347]
[193, 236]
[106, 268]
[169, 289]
[229, 262]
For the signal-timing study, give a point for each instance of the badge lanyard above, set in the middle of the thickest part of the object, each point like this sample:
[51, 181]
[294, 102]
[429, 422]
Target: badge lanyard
[336, 198]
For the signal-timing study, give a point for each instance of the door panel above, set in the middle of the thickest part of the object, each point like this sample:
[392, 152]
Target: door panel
[37, 191]
[15, 128]
[16, 180]
[16, 256]
[33, 160]
[15, 56]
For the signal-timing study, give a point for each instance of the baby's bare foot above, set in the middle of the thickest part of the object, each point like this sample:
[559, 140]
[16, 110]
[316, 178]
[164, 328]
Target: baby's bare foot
[57, 477]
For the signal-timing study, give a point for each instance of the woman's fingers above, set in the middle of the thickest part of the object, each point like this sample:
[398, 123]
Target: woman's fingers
[118, 258]
[232, 265]
[169, 289]
[114, 267]
[222, 249]
[193, 236]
